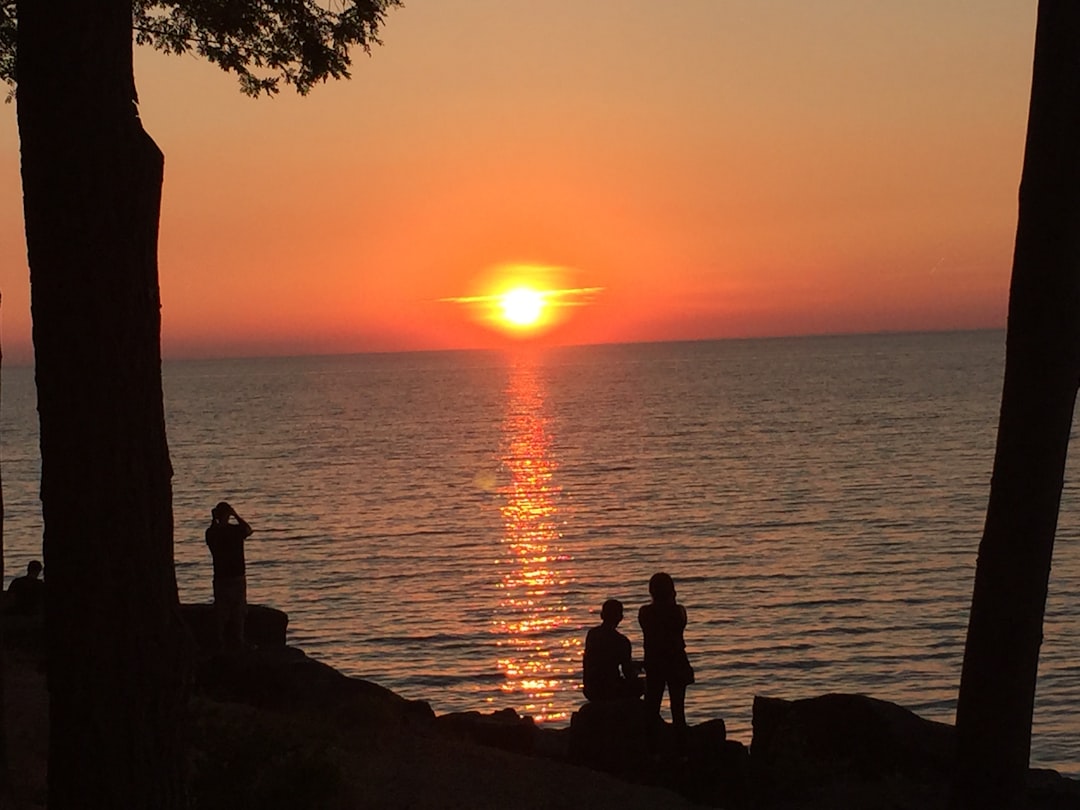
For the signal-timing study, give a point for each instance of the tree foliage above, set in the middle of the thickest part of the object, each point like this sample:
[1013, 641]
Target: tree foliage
[7, 41]
[264, 42]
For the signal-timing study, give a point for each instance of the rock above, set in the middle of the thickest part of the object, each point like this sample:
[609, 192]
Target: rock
[803, 746]
[855, 751]
[504, 729]
[285, 678]
[716, 770]
[1049, 790]
[705, 739]
[264, 626]
[552, 743]
[621, 738]
[610, 736]
[23, 632]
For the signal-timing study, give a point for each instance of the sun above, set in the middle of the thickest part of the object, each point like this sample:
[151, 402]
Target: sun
[525, 301]
[522, 306]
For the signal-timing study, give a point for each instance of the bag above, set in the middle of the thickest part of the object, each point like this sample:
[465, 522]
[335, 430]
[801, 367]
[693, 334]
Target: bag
[686, 671]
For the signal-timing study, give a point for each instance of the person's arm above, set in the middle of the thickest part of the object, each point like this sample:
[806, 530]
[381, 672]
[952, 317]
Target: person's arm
[587, 674]
[629, 668]
[243, 524]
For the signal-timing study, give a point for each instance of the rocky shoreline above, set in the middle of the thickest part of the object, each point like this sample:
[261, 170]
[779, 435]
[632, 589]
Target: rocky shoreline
[831, 751]
[272, 727]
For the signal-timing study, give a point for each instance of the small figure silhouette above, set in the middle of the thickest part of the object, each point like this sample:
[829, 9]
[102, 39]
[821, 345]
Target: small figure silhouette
[609, 670]
[666, 663]
[226, 542]
[26, 594]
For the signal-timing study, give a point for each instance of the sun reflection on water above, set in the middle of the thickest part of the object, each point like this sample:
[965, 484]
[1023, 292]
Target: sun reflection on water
[538, 657]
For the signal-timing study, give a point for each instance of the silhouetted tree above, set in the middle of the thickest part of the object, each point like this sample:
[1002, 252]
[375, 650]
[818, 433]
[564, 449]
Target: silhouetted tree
[92, 188]
[1042, 370]
[5, 781]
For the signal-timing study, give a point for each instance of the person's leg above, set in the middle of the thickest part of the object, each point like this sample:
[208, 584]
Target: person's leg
[654, 692]
[220, 613]
[241, 611]
[232, 595]
[677, 696]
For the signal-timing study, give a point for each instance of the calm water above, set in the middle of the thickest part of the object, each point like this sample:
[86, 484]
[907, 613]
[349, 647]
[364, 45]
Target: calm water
[448, 524]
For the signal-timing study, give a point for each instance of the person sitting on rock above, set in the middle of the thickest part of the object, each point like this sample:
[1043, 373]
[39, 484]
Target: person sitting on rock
[26, 594]
[609, 671]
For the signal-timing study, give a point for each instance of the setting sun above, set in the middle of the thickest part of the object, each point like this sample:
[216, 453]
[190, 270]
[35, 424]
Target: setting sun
[522, 306]
[525, 300]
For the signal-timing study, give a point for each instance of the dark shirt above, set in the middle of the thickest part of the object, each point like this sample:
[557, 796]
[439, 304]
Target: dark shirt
[226, 541]
[25, 595]
[607, 663]
[662, 627]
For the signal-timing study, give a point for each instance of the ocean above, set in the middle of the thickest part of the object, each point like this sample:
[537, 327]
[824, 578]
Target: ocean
[447, 524]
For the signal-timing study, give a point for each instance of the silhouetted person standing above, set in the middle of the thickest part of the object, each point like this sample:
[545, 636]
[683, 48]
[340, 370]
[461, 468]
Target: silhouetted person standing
[226, 542]
[609, 670]
[26, 594]
[666, 665]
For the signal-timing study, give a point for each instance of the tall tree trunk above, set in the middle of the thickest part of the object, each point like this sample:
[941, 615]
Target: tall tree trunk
[1042, 369]
[92, 188]
[5, 781]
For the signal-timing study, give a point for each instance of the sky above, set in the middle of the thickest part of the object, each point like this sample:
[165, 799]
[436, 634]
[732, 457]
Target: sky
[688, 170]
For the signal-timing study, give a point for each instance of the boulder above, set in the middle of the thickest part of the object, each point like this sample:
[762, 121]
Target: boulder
[23, 632]
[284, 678]
[843, 750]
[611, 735]
[805, 746]
[1049, 790]
[264, 626]
[504, 729]
[622, 738]
[716, 770]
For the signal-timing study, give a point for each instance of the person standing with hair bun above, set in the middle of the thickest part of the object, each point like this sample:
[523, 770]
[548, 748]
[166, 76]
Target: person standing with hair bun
[666, 664]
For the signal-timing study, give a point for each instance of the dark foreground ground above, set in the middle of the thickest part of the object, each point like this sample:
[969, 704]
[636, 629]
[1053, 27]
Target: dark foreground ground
[276, 748]
[273, 728]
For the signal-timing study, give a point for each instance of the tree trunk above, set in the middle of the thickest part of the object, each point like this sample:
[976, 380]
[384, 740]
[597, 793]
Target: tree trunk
[92, 189]
[5, 781]
[1042, 368]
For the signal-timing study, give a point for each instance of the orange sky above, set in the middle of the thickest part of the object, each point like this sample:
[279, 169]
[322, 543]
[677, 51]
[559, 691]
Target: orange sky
[738, 168]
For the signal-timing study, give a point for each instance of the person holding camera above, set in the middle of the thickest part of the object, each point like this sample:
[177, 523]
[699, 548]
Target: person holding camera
[226, 542]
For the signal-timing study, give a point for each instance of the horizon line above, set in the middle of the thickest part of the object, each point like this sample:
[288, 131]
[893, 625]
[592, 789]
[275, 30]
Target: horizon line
[537, 345]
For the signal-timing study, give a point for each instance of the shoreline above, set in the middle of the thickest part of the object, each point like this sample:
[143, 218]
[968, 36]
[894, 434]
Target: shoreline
[288, 723]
